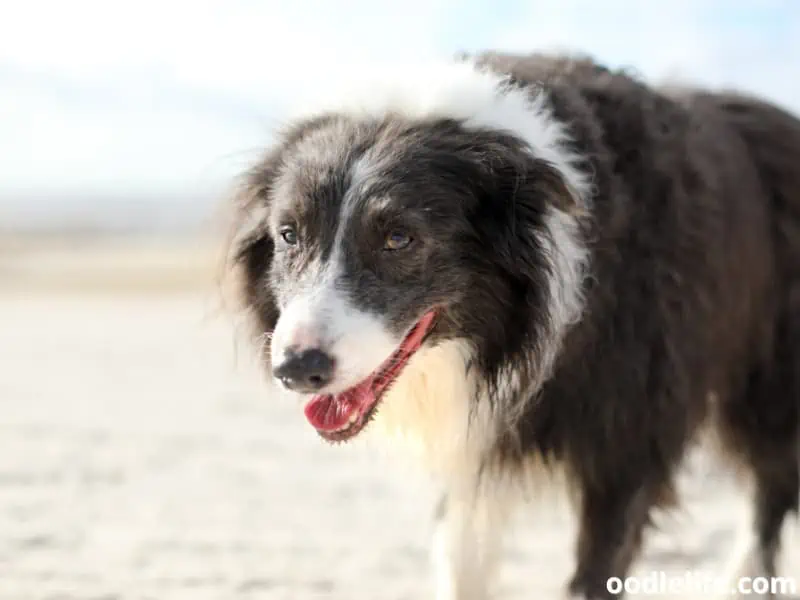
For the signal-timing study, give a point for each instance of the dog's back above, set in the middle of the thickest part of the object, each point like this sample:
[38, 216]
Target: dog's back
[763, 426]
[707, 211]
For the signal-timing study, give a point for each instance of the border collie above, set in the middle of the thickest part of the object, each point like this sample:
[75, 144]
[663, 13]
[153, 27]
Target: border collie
[529, 265]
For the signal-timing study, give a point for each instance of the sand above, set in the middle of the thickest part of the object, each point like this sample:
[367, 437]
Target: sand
[140, 457]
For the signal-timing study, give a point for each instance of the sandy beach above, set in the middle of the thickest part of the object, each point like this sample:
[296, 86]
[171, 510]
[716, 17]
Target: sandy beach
[141, 458]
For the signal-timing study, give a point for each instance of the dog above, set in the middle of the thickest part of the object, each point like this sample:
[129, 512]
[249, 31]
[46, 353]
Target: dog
[523, 266]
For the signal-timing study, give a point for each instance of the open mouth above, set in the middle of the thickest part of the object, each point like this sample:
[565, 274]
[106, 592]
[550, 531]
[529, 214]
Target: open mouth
[340, 417]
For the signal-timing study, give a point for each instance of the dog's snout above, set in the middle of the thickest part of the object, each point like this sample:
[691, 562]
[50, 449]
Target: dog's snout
[305, 371]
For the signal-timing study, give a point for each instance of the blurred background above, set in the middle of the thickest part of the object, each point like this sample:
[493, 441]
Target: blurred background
[140, 456]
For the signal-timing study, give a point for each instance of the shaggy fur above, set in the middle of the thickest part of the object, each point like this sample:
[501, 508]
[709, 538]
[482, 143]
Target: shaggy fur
[612, 266]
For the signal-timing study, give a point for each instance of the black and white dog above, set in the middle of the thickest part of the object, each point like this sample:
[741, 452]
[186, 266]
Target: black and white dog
[527, 265]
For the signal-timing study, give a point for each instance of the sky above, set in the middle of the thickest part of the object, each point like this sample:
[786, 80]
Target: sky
[106, 105]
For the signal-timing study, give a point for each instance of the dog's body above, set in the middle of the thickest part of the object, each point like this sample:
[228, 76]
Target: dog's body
[526, 265]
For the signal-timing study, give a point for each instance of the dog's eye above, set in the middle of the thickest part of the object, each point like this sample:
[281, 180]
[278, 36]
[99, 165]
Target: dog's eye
[289, 235]
[397, 240]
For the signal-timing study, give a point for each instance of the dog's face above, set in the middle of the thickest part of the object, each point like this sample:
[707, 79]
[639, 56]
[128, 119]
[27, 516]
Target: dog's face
[370, 238]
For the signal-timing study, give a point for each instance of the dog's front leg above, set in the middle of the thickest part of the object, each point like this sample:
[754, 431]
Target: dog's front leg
[465, 546]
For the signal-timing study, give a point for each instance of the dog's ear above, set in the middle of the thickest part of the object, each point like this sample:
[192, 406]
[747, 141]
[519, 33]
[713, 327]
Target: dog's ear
[520, 194]
[550, 184]
[520, 204]
[251, 248]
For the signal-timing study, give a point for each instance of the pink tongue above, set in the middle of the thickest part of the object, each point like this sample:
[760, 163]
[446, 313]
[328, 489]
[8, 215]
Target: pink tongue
[329, 413]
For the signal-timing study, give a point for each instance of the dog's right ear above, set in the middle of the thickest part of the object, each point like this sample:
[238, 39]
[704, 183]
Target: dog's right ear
[251, 248]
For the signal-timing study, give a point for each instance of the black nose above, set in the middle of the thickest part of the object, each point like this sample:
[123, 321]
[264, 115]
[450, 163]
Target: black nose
[305, 371]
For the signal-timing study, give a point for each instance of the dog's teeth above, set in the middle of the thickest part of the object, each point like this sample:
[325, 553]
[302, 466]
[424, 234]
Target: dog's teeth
[350, 422]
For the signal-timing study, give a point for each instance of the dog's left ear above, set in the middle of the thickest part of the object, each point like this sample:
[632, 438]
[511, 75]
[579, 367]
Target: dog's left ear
[518, 179]
[251, 248]
[521, 196]
[550, 184]
[522, 189]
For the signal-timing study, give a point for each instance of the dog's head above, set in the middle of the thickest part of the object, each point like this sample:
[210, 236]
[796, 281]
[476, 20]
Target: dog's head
[368, 231]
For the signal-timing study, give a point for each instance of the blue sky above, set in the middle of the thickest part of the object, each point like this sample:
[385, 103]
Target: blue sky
[173, 97]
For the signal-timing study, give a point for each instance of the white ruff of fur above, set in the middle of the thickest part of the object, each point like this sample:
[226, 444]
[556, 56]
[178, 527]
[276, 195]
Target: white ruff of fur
[428, 410]
[434, 411]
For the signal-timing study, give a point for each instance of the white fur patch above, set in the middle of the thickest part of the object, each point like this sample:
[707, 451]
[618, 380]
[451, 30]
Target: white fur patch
[427, 409]
[322, 318]
[465, 549]
[568, 261]
[435, 412]
[462, 91]
[569, 257]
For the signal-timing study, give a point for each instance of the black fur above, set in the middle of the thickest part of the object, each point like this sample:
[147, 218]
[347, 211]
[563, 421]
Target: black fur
[693, 300]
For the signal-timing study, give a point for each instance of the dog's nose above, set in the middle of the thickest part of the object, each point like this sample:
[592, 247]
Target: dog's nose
[305, 371]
